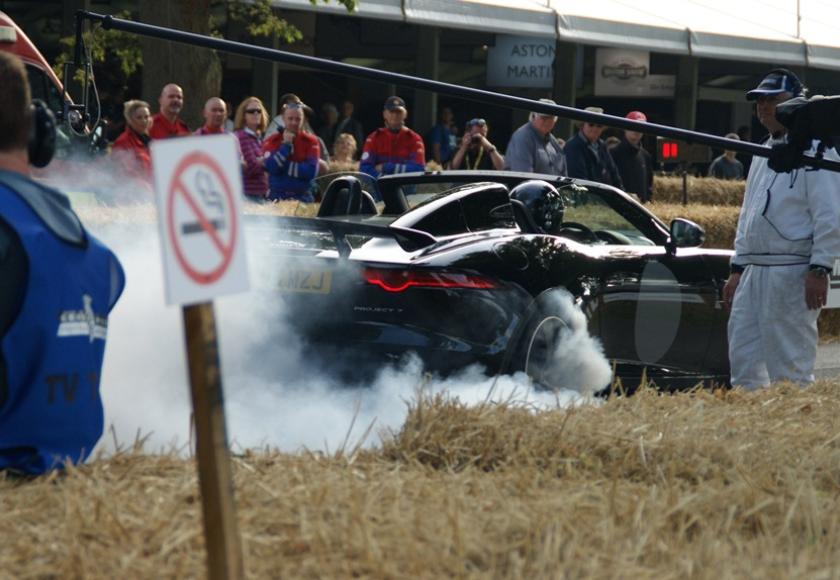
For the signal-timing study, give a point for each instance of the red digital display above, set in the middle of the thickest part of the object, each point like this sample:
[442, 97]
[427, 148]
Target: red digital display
[670, 150]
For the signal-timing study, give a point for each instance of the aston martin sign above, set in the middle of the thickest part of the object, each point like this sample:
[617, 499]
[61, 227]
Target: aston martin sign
[521, 61]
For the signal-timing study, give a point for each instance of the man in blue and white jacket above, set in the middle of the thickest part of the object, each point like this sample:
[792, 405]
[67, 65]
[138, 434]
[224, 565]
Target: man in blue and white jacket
[787, 240]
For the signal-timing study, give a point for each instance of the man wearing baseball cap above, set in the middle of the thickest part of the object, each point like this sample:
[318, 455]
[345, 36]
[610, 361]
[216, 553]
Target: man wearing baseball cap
[634, 163]
[787, 240]
[393, 148]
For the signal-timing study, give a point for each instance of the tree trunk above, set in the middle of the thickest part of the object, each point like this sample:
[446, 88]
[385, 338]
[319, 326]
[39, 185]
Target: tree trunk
[196, 70]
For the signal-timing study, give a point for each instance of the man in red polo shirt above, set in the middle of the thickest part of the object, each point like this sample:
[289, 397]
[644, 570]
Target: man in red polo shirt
[166, 123]
[215, 113]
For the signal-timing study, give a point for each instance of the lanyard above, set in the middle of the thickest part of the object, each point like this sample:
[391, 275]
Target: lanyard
[477, 159]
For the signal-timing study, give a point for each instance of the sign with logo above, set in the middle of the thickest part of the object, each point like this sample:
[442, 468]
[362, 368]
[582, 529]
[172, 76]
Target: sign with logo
[83, 322]
[521, 61]
[626, 73]
[199, 198]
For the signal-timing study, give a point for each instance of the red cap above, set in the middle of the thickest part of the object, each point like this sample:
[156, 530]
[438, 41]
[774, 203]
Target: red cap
[637, 116]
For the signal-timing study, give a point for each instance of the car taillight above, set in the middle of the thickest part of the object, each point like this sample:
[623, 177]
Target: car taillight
[400, 280]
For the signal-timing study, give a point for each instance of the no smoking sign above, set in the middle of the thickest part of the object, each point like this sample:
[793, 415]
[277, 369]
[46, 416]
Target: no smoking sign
[199, 192]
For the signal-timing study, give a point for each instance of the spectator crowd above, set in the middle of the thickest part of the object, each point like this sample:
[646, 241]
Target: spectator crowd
[281, 155]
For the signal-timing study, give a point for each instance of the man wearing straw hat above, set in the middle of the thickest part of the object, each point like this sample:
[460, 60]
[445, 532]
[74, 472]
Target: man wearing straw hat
[587, 156]
[533, 149]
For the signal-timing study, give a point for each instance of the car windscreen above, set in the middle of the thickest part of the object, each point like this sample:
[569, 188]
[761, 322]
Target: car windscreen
[599, 208]
[606, 214]
[417, 194]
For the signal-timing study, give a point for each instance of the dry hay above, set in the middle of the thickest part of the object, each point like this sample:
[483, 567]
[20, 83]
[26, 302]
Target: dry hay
[702, 190]
[719, 221]
[697, 485]
[93, 216]
[829, 325]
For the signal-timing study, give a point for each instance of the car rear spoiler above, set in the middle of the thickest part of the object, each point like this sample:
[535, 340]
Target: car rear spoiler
[408, 239]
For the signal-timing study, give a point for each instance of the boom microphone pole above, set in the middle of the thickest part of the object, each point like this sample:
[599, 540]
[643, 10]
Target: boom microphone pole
[75, 115]
[479, 95]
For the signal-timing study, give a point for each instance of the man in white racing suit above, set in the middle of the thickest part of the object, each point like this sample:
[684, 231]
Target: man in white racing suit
[787, 240]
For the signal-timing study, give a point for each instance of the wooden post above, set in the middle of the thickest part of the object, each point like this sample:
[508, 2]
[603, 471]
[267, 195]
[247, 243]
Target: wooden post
[224, 552]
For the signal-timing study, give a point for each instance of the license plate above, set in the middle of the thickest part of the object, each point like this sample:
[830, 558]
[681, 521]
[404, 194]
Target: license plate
[311, 281]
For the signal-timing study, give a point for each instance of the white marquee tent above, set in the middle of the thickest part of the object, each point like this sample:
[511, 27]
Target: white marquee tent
[785, 32]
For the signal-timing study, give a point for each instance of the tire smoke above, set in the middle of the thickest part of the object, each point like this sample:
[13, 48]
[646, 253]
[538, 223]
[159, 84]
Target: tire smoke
[276, 397]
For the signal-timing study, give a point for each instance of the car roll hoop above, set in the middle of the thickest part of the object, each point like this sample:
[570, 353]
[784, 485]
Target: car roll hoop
[345, 196]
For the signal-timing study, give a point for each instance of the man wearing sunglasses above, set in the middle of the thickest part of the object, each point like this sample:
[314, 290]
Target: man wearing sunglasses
[589, 158]
[291, 157]
[533, 149]
[476, 151]
[787, 240]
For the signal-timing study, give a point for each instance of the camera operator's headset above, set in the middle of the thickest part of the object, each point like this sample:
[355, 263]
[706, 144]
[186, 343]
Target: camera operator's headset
[41, 134]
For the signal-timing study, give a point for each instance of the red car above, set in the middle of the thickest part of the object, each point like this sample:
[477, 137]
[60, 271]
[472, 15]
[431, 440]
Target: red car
[72, 143]
[43, 81]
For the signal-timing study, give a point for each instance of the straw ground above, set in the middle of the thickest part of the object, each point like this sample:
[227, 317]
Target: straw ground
[697, 485]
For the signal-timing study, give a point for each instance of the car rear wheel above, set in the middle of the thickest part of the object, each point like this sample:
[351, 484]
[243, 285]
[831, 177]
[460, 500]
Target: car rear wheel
[556, 351]
[542, 342]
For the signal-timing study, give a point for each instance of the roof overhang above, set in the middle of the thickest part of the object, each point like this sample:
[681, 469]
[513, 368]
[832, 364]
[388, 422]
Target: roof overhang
[719, 29]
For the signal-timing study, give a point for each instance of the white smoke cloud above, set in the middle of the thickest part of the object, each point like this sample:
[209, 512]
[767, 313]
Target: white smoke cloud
[274, 395]
[96, 180]
[578, 362]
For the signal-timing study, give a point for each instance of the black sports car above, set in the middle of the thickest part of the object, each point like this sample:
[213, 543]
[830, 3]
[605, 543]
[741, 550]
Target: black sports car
[446, 265]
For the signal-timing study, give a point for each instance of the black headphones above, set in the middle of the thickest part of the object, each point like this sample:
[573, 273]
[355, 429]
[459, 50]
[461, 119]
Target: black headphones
[41, 134]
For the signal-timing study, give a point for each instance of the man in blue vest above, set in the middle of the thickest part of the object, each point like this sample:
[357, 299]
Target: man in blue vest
[57, 286]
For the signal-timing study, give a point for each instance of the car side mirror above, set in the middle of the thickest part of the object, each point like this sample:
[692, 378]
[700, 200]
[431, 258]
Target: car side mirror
[685, 234]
